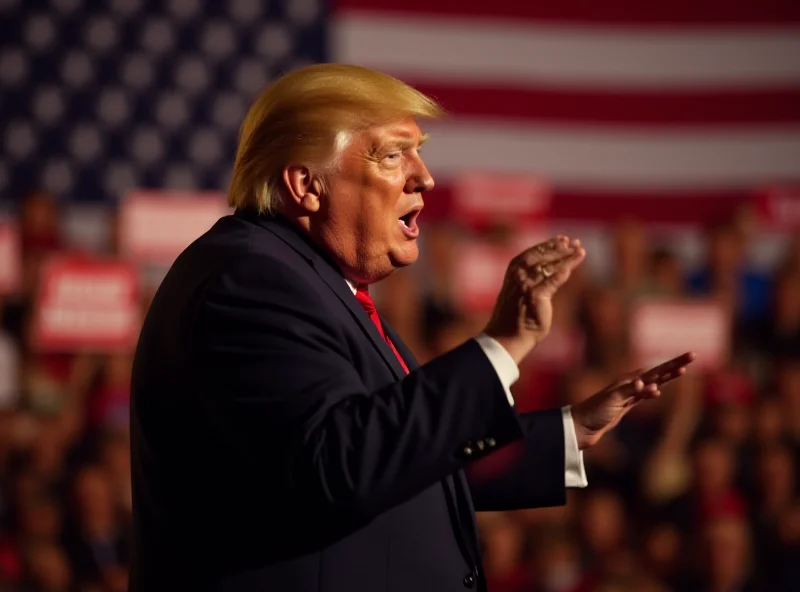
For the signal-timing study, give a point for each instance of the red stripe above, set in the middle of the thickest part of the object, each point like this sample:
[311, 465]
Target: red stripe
[701, 108]
[607, 12]
[691, 207]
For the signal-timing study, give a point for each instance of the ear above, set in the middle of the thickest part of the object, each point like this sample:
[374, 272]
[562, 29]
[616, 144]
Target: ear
[303, 187]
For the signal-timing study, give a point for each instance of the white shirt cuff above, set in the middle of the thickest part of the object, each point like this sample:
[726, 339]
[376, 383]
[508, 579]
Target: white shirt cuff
[574, 471]
[508, 373]
[503, 364]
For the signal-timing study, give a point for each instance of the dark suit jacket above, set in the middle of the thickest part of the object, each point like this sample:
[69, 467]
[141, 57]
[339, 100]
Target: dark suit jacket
[277, 443]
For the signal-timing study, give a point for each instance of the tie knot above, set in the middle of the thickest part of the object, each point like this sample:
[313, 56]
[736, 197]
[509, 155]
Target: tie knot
[363, 297]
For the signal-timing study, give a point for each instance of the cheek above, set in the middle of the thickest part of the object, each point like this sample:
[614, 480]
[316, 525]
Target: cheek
[384, 195]
[395, 185]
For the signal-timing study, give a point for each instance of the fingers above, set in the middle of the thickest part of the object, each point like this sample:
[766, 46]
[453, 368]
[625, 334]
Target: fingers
[669, 370]
[550, 262]
[647, 385]
[548, 278]
[638, 389]
[549, 251]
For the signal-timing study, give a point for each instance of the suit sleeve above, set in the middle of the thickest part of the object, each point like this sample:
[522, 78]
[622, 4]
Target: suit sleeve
[527, 474]
[286, 391]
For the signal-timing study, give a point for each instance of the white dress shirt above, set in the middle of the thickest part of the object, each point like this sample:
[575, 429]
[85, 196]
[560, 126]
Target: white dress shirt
[508, 373]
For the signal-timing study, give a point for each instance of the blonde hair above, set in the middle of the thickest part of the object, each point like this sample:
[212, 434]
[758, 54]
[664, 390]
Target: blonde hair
[307, 117]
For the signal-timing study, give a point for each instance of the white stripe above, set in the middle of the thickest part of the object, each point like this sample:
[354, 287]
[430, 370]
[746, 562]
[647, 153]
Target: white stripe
[602, 158]
[477, 51]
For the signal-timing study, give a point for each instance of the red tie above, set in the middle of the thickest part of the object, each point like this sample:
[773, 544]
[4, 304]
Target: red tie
[362, 295]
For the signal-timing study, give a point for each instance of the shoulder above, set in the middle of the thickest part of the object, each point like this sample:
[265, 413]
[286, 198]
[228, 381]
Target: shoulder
[257, 300]
[265, 277]
[238, 256]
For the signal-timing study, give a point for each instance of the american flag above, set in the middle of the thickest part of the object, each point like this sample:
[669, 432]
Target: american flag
[669, 110]
[664, 110]
[99, 98]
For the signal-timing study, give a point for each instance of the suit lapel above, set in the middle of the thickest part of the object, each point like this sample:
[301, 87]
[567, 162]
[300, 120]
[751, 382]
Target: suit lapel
[336, 282]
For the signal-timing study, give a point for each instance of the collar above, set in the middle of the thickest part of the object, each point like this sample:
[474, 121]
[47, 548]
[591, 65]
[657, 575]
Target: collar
[289, 233]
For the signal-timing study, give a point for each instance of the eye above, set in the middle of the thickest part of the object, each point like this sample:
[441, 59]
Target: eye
[393, 159]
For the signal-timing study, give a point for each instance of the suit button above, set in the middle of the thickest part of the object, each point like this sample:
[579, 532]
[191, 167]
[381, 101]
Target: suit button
[491, 442]
[480, 444]
[468, 450]
[469, 581]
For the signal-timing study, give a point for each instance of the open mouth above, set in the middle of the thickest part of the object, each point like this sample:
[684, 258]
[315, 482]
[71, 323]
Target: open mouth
[408, 222]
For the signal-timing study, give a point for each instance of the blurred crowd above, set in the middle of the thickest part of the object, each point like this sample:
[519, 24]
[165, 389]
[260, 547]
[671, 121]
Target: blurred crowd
[696, 491]
[65, 501]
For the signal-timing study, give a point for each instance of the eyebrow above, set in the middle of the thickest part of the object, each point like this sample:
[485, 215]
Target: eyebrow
[404, 143]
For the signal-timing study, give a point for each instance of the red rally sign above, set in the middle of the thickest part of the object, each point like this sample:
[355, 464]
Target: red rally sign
[661, 330]
[156, 226]
[479, 272]
[87, 304]
[780, 207]
[482, 199]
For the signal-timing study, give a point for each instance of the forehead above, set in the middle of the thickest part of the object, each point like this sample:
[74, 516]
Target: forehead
[404, 130]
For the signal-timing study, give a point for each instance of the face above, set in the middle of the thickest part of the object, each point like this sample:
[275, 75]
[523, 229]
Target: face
[40, 520]
[787, 301]
[775, 472]
[630, 247]
[727, 549]
[602, 521]
[367, 218]
[789, 391]
[725, 251]
[93, 495]
[663, 546]
[607, 310]
[504, 540]
[769, 422]
[733, 422]
[713, 468]
[49, 568]
[667, 274]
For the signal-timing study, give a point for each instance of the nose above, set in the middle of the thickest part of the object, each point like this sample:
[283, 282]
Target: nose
[420, 179]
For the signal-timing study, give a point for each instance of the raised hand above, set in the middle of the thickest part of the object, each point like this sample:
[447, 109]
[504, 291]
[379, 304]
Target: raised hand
[523, 312]
[602, 411]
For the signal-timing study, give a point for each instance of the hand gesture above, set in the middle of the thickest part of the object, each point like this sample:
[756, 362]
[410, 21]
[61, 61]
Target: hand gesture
[602, 411]
[523, 312]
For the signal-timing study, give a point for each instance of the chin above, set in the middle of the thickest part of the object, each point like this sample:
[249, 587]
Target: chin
[405, 254]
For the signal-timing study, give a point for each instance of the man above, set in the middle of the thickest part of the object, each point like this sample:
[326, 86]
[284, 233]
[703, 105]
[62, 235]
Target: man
[283, 437]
